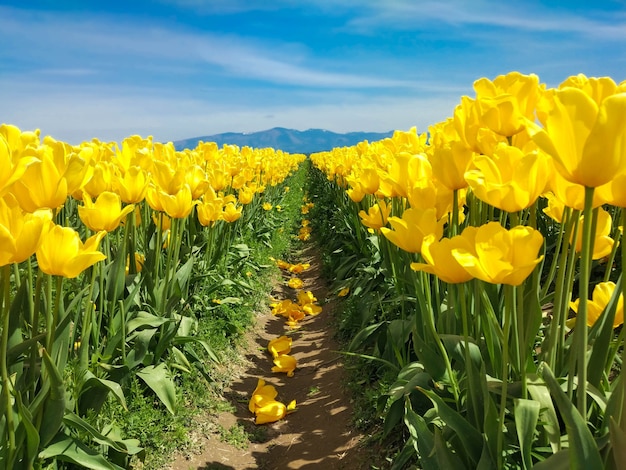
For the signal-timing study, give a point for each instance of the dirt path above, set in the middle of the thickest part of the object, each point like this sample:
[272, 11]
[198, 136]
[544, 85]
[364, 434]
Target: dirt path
[316, 436]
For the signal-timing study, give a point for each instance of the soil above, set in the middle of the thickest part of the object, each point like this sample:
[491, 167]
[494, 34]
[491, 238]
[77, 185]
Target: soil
[318, 435]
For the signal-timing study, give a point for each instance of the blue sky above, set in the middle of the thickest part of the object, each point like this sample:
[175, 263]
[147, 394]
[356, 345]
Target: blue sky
[182, 68]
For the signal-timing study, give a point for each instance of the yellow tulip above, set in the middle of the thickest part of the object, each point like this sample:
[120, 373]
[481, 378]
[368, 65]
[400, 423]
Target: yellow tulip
[497, 255]
[267, 206]
[139, 262]
[41, 186]
[231, 213]
[285, 363]
[245, 195]
[295, 283]
[270, 412]
[261, 395]
[450, 161]
[598, 88]
[209, 212]
[343, 292]
[20, 233]
[62, 253]
[132, 186]
[177, 205]
[279, 346]
[585, 139]
[298, 268]
[306, 297]
[603, 243]
[376, 216]
[409, 231]
[11, 168]
[506, 103]
[312, 309]
[441, 262]
[614, 192]
[601, 296]
[509, 179]
[100, 179]
[105, 214]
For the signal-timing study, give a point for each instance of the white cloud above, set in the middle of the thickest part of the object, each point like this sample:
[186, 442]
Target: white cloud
[526, 16]
[103, 42]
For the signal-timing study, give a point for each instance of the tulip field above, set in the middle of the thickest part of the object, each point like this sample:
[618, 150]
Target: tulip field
[480, 267]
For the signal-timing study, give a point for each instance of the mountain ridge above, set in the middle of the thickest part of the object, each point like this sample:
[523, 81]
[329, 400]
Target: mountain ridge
[287, 140]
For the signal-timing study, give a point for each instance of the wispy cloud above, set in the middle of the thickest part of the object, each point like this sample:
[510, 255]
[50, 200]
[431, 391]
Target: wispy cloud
[527, 16]
[103, 41]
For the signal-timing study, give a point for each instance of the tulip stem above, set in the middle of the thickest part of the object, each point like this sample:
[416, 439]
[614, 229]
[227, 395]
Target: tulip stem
[5, 275]
[509, 308]
[580, 332]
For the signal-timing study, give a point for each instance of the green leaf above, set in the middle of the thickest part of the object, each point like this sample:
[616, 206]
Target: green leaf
[75, 422]
[526, 417]
[393, 416]
[470, 437]
[94, 392]
[550, 422]
[584, 452]
[158, 378]
[445, 457]
[68, 449]
[184, 273]
[558, 461]
[54, 407]
[364, 336]
[618, 443]
[26, 430]
[145, 320]
[201, 342]
[423, 438]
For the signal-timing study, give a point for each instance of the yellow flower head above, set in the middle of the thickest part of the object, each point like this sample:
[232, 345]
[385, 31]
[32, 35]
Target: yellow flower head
[441, 262]
[497, 255]
[267, 206]
[601, 296]
[306, 297]
[343, 292]
[261, 395]
[376, 216]
[510, 179]
[312, 309]
[20, 233]
[295, 283]
[285, 363]
[299, 268]
[105, 214]
[279, 346]
[585, 139]
[603, 243]
[410, 230]
[62, 253]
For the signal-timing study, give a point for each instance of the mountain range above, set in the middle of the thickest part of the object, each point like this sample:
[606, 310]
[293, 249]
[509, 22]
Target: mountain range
[287, 140]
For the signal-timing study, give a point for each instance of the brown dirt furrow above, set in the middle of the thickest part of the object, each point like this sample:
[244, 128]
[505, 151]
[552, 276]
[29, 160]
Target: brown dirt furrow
[318, 435]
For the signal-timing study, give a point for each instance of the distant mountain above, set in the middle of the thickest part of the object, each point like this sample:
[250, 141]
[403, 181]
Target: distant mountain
[288, 140]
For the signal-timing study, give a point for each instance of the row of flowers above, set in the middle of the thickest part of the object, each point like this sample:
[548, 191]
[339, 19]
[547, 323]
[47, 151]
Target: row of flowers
[523, 189]
[172, 212]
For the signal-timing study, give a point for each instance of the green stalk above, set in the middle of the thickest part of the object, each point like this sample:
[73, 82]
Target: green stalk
[580, 332]
[509, 313]
[5, 275]
[423, 296]
[454, 228]
[557, 258]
